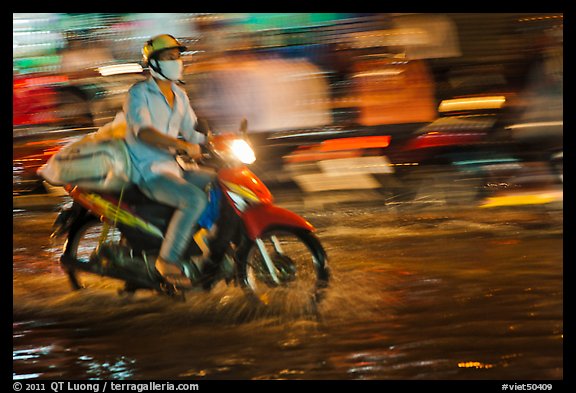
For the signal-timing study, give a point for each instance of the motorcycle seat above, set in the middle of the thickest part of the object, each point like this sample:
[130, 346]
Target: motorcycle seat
[131, 196]
[137, 202]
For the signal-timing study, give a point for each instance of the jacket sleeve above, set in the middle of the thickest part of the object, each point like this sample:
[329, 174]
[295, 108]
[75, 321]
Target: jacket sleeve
[136, 110]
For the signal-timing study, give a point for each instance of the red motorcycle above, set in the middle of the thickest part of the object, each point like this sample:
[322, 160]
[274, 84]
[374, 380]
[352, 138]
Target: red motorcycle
[264, 249]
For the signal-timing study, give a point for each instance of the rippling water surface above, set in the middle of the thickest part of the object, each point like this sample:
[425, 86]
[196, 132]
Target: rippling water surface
[410, 299]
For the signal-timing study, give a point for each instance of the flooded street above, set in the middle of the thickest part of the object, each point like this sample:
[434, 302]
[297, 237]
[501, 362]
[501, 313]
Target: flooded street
[463, 294]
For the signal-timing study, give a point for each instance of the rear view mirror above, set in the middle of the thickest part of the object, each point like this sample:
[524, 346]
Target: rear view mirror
[203, 126]
[244, 126]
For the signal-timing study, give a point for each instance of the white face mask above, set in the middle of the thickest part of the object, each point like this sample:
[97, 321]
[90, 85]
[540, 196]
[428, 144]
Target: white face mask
[172, 69]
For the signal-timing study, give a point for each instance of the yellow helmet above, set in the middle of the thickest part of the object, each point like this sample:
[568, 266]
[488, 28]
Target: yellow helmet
[159, 43]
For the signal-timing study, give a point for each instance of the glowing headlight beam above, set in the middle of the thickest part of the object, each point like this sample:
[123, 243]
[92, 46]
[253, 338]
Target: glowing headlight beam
[242, 151]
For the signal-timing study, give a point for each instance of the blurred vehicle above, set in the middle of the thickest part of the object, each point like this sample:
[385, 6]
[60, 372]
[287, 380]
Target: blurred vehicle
[340, 163]
[464, 155]
[34, 99]
[492, 137]
[61, 101]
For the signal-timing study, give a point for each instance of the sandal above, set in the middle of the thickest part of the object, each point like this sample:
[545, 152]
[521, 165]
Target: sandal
[173, 274]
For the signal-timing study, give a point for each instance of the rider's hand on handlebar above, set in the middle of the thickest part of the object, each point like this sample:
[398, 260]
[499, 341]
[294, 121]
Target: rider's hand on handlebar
[192, 150]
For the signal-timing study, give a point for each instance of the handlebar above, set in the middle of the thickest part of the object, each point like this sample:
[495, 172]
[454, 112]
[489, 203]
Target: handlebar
[182, 153]
[186, 162]
[221, 151]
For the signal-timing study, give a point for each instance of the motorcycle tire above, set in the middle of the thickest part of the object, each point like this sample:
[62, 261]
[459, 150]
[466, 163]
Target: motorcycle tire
[300, 267]
[83, 240]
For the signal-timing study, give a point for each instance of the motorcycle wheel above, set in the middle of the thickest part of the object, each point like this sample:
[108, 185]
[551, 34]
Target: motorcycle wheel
[80, 246]
[299, 266]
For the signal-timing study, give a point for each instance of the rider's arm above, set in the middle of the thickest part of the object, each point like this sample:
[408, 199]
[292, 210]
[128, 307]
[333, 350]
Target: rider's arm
[139, 118]
[150, 135]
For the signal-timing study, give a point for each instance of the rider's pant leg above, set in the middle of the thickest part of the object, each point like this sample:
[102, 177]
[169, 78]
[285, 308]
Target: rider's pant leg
[189, 201]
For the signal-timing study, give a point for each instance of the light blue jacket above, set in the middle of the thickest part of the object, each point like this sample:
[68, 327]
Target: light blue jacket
[146, 106]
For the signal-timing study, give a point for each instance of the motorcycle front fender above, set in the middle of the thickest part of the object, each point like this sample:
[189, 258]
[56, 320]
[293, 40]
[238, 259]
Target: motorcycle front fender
[259, 218]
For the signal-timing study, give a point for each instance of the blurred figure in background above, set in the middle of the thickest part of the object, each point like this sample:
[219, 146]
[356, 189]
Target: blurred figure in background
[80, 58]
[538, 124]
[541, 101]
[79, 63]
[272, 93]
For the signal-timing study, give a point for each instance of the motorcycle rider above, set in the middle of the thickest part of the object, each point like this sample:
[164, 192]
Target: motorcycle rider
[157, 111]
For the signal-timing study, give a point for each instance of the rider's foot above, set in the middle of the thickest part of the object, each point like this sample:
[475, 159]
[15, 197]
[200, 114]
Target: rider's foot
[173, 274]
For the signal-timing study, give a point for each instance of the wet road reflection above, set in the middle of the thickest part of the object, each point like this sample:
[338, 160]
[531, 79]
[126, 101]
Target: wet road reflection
[429, 295]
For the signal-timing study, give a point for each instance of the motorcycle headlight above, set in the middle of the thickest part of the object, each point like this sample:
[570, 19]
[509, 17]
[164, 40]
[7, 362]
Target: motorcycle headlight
[242, 151]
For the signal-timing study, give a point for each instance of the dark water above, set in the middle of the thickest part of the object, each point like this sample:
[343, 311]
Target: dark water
[421, 296]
